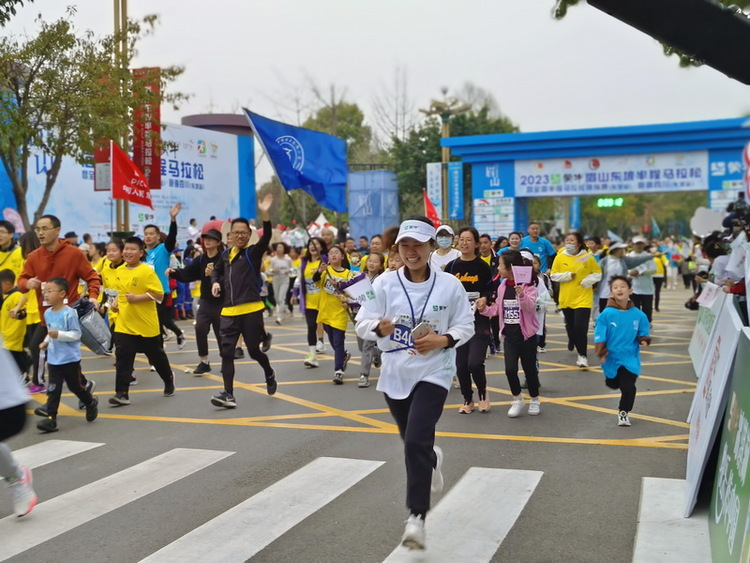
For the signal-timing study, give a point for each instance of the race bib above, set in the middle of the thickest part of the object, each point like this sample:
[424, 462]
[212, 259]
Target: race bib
[511, 311]
[311, 287]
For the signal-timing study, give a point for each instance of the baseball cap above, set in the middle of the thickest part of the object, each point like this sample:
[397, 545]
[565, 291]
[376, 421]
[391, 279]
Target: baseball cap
[212, 233]
[446, 228]
[618, 245]
[418, 230]
[637, 240]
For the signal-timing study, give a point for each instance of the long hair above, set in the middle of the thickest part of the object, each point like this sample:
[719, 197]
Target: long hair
[515, 258]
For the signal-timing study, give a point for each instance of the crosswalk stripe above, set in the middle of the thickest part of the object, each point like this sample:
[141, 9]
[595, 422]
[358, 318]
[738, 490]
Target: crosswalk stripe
[50, 451]
[486, 502]
[242, 531]
[65, 512]
[663, 534]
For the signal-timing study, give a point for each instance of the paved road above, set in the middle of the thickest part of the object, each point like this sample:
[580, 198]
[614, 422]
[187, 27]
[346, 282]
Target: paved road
[316, 472]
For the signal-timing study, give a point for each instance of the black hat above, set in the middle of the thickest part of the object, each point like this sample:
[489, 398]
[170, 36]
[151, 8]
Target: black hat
[212, 233]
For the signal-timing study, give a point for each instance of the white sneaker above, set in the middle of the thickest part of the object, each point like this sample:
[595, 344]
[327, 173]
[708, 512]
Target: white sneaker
[534, 406]
[364, 381]
[582, 362]
[437, 472]
[540, 350]
[320, 347]
[516, 407]
[311, 361]
[338, 377]
[622, 419]
[413, 537]
[24, 497]
[456, 384]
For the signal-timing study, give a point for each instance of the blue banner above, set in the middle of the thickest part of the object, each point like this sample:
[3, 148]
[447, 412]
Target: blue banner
[304, 159]
[456, 190]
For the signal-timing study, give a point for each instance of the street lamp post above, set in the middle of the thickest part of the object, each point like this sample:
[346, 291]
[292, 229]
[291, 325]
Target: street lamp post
[445, 110]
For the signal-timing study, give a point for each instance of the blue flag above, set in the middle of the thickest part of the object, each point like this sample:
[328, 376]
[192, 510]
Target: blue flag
[304, 159]
[655, 230]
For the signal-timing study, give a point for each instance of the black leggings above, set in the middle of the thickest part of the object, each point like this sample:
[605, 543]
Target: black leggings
[12, 421]
[577, 327]
[470, 365]
[311, 317]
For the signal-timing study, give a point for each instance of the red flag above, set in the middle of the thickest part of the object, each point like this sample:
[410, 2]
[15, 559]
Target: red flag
[128, 182]
[429, 209]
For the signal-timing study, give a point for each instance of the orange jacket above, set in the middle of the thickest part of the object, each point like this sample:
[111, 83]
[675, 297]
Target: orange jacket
[65, 262]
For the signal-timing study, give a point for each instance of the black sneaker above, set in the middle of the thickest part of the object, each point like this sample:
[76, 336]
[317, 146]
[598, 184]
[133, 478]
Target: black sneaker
[266, 344]
[92, 410]
[180, 341]
[347, 357]
[239, 353]
[169, 387]
[201, 368]
[90, 386]
[224, 399]
[119, 399]
[271, 384]
[47, 425]
[41, 411]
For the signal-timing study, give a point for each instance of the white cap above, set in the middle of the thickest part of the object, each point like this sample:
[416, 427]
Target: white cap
[618, 246]
[637, 240]
[418, 230]
[446, 228]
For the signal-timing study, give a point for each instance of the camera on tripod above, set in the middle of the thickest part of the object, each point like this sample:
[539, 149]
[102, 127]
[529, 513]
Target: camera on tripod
[739, 213]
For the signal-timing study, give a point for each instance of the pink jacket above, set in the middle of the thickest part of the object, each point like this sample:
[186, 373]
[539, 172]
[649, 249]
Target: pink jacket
[529, 324]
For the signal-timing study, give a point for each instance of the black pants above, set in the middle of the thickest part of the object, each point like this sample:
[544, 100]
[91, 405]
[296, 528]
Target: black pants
[336, 338]
[687, 280]
[311, 318]
[470, 365]
[625, 381]
[515, 348]
[71, 375]
[40, 333]
[209, 316]
[495, 325]
[416, 418]
[22, 360]
[577, 327]
[658, 283]
[128, 345]
[645, 303]
[542, 338]
[250, 327]
[12, 421]
[166, 317]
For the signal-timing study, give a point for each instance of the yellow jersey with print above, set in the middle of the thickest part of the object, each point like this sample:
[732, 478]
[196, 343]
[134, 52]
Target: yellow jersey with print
[13, 330]
[331, 310]
[138, 319]
[312, 288]
[572, 294]
[245, 308]
[12, 259]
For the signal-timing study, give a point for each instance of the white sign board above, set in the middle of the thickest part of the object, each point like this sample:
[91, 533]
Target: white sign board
[705, 324]
[710, 398]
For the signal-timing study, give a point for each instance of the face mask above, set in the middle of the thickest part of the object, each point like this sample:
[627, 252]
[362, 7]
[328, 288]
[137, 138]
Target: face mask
[355, 260]
[444, 242]
[571, 248]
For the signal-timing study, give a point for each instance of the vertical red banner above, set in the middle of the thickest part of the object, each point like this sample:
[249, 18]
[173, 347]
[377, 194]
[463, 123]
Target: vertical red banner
[147, 127]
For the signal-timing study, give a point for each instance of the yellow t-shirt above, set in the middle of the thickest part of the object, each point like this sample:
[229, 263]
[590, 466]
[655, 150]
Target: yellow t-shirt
[661, 265]
[572, 294]
[101, 264]
[12, 260]
[245, 308]
[14, 330]
[487, 259]
[139, 319]
[109, 289]
[32, 305]
[312, 288]
[331, 311]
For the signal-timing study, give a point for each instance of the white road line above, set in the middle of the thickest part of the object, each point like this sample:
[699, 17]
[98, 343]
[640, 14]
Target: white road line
[486, 503]
[61, 514]
[50, 451]
[242, 531]
[663, 534]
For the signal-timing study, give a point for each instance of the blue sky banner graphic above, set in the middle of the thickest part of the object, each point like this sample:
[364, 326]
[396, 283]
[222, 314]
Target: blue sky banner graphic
[304, 159]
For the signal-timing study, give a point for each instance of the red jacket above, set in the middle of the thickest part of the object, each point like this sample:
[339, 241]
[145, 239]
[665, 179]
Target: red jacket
[65, 262]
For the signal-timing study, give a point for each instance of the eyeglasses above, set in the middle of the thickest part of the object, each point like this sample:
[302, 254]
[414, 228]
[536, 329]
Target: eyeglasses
[44, 229]
[240, 233]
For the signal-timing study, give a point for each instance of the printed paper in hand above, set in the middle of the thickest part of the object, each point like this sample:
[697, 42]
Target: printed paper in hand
[360, 290]
[521, 274]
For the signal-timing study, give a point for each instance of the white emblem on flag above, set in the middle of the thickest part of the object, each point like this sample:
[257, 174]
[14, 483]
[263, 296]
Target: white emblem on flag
[293, 150]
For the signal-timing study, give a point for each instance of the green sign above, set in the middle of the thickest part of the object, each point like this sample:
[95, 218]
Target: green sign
[610, 202]
[729, 519]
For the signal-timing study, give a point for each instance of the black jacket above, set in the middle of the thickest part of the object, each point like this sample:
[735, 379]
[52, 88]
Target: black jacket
[196, 271]
[240, 280]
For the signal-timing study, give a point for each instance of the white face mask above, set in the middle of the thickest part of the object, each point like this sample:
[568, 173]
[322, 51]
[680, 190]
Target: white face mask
[444, 242]
[571, 248]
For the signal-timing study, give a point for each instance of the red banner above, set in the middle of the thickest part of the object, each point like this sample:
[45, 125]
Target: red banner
[128, 182]
[429, 210]
[147, 127]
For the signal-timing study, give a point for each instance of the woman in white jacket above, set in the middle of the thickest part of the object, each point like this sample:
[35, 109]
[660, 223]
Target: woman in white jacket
[416, 372]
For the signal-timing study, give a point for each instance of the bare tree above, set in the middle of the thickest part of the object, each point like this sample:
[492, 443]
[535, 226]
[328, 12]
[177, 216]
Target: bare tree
[395, 113]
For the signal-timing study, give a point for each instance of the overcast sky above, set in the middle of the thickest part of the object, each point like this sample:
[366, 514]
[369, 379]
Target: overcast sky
[588, 70]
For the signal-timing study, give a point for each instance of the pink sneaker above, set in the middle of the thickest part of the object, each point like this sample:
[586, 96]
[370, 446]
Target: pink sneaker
[33, 389]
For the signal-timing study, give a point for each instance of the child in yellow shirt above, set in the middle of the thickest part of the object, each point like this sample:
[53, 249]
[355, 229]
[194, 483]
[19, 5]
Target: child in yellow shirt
[13, 322]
